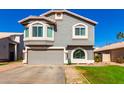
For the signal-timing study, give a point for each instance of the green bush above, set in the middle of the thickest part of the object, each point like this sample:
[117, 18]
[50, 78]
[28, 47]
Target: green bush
[98, 58]
[120, 60]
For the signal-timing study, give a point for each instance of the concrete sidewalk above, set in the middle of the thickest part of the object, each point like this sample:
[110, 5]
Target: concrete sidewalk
[73, 76]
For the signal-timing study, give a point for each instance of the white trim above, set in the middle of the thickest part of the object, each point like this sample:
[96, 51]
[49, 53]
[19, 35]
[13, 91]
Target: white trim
[32, 24]
[50, 38]
[15, 52]
[25, 52]
[90, 61]
[65, 55]
[56, 48]
[80, 37]
[79, 60]
[84, 61]
[38, 38]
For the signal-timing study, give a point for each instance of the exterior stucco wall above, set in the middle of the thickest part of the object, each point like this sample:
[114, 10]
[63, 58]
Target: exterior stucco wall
[4, 49]
[117, 54]
[63, 35]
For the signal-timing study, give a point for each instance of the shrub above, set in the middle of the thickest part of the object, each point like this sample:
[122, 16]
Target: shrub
[120, 60]
[98, 58]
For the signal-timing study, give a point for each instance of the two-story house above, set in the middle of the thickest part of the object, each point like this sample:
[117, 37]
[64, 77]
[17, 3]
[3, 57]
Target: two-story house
[58, 37]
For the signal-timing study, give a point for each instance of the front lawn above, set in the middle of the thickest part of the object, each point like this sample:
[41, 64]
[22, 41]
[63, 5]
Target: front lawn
[7, 63]
[3, 63]
[103, 74]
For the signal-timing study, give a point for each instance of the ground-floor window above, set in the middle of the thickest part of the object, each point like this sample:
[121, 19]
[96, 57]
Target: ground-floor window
[79, 54]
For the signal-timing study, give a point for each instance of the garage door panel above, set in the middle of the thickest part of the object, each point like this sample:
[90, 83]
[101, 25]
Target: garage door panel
[106, 58]
[45, 57]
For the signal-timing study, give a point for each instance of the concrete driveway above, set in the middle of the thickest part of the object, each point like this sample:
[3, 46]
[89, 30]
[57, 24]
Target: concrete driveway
[32, 74]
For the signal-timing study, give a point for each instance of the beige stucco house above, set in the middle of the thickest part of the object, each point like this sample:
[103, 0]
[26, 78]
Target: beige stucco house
[58, 37]
[110, 53]
[11, 46]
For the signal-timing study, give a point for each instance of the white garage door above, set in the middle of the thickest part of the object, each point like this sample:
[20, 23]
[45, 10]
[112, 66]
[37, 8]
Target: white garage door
[46, 56]
[106, 57]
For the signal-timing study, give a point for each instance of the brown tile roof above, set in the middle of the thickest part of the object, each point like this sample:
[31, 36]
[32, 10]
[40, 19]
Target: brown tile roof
[110, 47]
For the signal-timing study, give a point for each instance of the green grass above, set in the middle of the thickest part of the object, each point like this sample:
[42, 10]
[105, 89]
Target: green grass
[3, 63]
[103, 74]
[7, 63]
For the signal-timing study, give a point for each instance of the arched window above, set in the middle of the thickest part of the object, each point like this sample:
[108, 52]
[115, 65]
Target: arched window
[37, 29]
[80, 31]
[40, 31]
[79, 54]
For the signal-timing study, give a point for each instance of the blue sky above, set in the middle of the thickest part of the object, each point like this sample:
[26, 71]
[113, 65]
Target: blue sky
[110, 22]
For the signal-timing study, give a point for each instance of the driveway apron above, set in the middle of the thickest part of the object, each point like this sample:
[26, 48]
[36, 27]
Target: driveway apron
[31, 74]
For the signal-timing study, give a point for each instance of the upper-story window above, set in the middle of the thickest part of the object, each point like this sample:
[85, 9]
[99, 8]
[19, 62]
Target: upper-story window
[50, 31]
[58, 15]
[26, 32]
[80, 31]
[37, 30]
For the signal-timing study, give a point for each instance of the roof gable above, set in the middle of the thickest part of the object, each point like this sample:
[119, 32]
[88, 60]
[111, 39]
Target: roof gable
[71, 13]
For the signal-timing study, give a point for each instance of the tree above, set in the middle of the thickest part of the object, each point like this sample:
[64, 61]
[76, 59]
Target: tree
[120, 35]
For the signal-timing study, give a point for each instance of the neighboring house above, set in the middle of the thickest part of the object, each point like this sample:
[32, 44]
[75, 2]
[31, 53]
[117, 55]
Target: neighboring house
[58, 37]
[11, 46]
[111, 52]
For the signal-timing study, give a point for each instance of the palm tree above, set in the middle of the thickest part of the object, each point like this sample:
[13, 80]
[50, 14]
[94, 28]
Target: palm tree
[120, 35]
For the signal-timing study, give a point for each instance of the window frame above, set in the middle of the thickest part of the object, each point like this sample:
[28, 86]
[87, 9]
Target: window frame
[74, 36]
[26, 32]
[44, 27]
[76, 51]
[37, 26]
[79, 60]
[50, 38]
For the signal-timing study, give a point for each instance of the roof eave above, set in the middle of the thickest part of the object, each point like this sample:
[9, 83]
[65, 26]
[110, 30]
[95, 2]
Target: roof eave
[35, 17]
